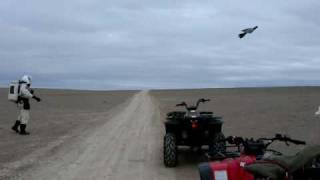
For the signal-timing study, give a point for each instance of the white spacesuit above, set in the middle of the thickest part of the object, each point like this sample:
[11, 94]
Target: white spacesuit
[318, 112]
[25, 93]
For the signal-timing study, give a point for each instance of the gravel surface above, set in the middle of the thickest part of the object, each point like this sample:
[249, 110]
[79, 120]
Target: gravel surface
[119, 134]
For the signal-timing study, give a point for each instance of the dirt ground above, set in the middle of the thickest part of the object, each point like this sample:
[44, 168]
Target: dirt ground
[119, 134]
[256, 112]
[61, 117]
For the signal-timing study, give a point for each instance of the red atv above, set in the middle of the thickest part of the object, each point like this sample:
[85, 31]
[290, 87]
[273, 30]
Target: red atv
[252, 160]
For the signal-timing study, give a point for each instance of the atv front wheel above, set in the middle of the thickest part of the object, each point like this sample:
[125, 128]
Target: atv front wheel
[218, 144]
[170, 153]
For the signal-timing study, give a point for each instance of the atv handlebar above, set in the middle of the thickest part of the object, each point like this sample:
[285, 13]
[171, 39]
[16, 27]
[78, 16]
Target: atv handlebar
[182, 104]
[267, 141]
[283, 138]
[202, 100]
[256, 147]
[298, 142]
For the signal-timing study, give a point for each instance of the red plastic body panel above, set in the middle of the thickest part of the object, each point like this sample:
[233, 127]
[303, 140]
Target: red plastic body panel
[232, 169]
[243, 160]
[220, 170]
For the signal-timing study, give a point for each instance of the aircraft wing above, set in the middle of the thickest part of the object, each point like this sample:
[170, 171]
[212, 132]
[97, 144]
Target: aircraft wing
[244, 30]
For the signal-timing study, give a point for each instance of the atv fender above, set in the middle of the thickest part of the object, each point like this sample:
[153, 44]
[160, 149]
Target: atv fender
[172, 126]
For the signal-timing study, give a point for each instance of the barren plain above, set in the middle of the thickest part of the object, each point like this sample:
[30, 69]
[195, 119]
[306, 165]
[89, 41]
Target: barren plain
[119, 134]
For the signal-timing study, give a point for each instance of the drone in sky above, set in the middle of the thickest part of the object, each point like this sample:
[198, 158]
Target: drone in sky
[246, 31]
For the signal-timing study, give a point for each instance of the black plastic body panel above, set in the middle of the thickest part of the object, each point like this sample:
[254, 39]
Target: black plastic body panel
[207, 126]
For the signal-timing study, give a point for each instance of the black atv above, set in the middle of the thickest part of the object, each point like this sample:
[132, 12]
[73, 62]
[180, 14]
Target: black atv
[191, 128]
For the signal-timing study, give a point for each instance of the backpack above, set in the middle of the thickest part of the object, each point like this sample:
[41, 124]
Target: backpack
[14, 91]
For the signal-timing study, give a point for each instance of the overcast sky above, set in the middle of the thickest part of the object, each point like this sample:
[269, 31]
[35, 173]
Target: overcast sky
[112, 44]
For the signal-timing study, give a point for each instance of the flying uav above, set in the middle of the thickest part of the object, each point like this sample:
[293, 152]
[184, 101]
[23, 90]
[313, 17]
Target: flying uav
[246, 31]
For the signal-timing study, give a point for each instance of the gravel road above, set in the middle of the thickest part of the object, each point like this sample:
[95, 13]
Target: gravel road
[127, 146]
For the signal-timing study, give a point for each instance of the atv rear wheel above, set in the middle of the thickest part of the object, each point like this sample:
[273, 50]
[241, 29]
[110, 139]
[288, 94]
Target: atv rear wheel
[218, 145]
[170, 150]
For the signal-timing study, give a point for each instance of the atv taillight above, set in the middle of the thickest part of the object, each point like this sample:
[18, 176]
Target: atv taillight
[194, 125]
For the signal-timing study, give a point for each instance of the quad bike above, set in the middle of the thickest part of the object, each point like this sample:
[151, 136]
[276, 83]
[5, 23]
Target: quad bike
[253, 160]
[191, 128]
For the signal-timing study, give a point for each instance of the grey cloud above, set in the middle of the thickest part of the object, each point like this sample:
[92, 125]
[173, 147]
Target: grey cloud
[159, 44]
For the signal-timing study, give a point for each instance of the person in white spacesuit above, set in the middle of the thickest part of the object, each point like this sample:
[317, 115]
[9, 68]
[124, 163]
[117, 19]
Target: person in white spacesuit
[318, 112]
[25, 93]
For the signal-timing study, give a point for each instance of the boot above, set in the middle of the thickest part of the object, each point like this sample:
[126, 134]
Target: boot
[15, 126]
[23, 130]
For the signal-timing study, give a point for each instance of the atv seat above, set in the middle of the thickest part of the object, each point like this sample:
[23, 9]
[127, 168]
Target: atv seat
[176, 114]
[278, 166]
